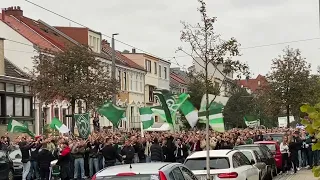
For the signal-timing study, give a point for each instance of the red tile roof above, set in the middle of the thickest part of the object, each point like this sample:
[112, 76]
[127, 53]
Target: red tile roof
[175, 77]
[253, 84]
[28, 33]
[121, 59]
[50, 33]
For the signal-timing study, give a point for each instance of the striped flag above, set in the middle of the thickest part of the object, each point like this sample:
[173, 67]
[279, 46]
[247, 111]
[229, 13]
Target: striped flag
[190, 112]
[146, 116]
[215, 117]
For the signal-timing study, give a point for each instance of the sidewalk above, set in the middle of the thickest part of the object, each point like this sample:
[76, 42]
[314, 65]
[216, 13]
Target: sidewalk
[301, 175]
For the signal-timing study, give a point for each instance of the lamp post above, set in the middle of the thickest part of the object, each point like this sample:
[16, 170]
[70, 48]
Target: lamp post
[113, 68]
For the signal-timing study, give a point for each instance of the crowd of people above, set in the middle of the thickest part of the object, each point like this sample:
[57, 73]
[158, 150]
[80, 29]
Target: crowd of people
[81, 158]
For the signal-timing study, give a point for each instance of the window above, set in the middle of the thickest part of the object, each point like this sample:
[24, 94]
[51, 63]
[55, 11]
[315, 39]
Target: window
[148, 65]
[136, 88]
[131, 83]
[19, 88]
[187, 174]
[119, 77]
[90, 41]
[56, 113]
[141, 87]
[94, 44]
[151, 98]
[98, 41]
[177, 174]
[259, 83]
[124, 81]
[26, 89]
[244, 160]
[160, 71]
[132, 114]
[235, 161]
[9, 105]
[18, 106]
[9, 87]
[64, 118]
[26, 107]
[200, 163]
[155, 68]
[1, 86]
[165, 73]
[248, 154]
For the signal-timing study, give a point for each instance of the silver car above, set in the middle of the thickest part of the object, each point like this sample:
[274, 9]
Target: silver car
[255, 159]
[146, 171]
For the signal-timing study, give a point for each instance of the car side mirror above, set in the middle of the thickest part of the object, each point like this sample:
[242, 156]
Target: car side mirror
[252, 162]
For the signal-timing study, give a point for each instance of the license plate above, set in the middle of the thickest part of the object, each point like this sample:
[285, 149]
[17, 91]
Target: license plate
[203, 177]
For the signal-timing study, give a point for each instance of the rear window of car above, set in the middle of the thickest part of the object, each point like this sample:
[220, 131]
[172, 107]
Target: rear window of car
[275, 137]
[135, 177]
[200, 163]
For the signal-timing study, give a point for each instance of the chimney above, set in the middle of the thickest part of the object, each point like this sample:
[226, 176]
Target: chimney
[105, 42]
[2, 70]
[3, 15]
[15, 11]
[133, 50]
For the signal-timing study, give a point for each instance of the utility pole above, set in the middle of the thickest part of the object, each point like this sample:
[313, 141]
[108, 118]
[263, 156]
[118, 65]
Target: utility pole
[113, 71]
[113, 68]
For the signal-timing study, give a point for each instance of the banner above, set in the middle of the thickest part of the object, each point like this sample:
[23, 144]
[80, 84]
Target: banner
[83, 124]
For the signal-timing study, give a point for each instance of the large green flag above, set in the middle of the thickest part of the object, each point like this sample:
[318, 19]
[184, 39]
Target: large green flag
[112, 112]
[190, 112]
[17, 127]
[170, 104]
[83, 124]
[215, 117]
[146, 116]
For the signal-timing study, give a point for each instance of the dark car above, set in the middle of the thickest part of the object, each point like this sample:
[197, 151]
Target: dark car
[265, 154]
[6, 166]
[16, 157]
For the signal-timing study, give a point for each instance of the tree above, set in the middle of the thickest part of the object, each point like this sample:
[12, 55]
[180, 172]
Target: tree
[126, 51]
[208, 48]
[239, 104]
[75, 75]
[288, 80]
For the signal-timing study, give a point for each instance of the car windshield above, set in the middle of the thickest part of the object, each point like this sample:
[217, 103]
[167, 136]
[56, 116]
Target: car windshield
[135, 177]
[275, 137]
[200, 163]
[16, 154]
[248, 154]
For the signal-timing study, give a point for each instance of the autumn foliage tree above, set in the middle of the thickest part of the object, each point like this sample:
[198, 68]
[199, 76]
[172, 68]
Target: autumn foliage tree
[289, 80]
[74, 75]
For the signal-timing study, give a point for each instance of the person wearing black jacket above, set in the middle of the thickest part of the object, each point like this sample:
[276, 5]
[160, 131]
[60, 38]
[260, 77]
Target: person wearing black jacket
[128, 152]
[156, 151]
[25, 159]
[92, 147]
[34, 168]
[181, 152]
[110, 154]
[44, 158]
[294, 147]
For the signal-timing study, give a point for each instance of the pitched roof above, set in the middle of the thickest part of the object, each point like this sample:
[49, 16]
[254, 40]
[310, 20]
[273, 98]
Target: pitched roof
[120, 59]
[13, 71]
[175, 77]
[50, 33]
[27, 32]
[253, 84]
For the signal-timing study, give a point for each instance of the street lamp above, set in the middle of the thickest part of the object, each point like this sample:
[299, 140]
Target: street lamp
[113, 68]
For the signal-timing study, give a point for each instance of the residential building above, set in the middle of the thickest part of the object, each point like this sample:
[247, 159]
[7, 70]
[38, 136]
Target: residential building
[178, 81]
[253, 86]
[158, 73]
[129, 74]
[16, 102]
[220, 79]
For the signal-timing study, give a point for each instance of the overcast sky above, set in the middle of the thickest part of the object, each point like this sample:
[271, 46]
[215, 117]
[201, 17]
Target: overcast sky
[154, 26]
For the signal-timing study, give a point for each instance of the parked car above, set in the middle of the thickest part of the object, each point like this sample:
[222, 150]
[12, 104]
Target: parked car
[274, 147]
[6, 166]
[253, 155]
[265, 154]
[275, 136]
[224, 164]
[146, 171]
[15, 156]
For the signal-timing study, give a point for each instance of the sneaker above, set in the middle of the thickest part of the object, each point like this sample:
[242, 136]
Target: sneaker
[307, 167]
[298, 169]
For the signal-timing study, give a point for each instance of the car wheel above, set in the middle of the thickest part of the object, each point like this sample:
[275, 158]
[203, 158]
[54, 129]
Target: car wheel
[275, 172]
[10, 175]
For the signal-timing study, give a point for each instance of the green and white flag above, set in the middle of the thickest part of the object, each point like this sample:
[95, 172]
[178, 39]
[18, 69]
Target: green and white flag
[251, 121]
[112, 112]
[190, 112]
[83, 124]
[17, 127]
[146, 117]
[58, 125]
[215, 117]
